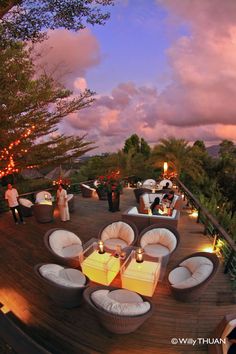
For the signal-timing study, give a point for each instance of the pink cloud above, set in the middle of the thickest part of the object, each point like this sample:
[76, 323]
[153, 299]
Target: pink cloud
[67, 55]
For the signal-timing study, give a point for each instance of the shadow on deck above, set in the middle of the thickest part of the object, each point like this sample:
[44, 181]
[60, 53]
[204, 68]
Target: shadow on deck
[76, 330]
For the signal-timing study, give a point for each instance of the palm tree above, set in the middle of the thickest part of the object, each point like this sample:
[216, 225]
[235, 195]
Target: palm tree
[179, 156]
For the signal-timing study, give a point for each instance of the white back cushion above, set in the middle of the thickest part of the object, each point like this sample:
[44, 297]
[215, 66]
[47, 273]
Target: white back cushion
[25, 202]
[85, 186]
[103, 301]
[145, 199]
[160, 235]
[118, 229]
[60, 239]
[62, 276]
[42, 196]
[69, 197]
[193, 263]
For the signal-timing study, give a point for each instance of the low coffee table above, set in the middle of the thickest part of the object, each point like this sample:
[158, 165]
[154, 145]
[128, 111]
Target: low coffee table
[140, 277]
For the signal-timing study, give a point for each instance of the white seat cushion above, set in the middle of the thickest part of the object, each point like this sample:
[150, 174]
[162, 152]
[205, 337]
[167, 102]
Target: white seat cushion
[126, 296]
[117, 230]
[57, 275]
[25, 202]
[72, 250]
[179, 274]
[188, 283]
[111, 243]
[60, 239]
[103, 301]
[156, 250]
[203, 272]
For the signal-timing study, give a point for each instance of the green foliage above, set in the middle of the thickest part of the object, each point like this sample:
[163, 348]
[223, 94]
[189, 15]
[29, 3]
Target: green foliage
[29, 18]
[42, 103]
[134, 145]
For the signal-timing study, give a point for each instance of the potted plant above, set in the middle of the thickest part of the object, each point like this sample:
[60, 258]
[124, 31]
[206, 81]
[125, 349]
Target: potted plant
[112, 185]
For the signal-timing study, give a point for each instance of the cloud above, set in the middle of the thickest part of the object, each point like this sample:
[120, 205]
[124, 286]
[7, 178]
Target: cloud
[67, 55]
[203, 64]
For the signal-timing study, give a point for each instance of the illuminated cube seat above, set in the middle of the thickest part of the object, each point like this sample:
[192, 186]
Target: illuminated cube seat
[140, 277]
[100, 268]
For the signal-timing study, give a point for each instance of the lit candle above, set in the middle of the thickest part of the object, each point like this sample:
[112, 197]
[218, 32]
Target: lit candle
[139, 255]
[165, 167]
[101, 247]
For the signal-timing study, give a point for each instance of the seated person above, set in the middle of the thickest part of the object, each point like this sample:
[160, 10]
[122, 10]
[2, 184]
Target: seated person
[232, 339]
[166, 186]
[156, 207]
[168, 198]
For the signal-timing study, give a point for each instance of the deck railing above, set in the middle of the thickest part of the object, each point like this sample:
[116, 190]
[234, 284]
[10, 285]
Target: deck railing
[222, 242]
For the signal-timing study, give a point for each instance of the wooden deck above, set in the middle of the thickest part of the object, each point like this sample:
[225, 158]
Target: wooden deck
[76, 330]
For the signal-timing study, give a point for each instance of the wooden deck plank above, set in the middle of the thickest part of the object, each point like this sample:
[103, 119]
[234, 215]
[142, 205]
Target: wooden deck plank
[76, 330]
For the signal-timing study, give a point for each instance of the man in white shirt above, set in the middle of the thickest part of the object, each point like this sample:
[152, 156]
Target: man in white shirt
[11, 196]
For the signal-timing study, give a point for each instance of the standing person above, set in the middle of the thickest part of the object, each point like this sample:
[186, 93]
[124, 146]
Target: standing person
[11, 196]
[63, 203]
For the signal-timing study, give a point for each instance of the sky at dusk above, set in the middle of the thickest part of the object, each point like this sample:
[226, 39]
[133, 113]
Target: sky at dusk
[160, 68]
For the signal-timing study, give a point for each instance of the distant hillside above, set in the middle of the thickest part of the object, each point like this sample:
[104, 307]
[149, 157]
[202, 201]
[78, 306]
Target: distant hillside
[213, 150]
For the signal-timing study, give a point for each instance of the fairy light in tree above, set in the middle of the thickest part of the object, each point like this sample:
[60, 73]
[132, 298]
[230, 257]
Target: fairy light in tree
[8, 155]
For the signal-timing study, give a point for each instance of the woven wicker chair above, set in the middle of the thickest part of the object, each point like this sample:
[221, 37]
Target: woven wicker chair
[41, 196]
[194, 292]
[25, 206]
[115, 228]
[43, 213]
[112, 322]
[223, 329]
[72, 261]
[143, 241]
[64, 296]
[87, 191]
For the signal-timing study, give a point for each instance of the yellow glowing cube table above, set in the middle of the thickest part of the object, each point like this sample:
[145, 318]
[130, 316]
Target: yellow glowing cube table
[100, 268]
[140, 277]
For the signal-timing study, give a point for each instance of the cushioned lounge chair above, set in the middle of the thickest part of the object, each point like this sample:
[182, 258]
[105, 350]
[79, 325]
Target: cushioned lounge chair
[87, 191]
[25, 206]
[189, 278]
[131, 309]
[118, 233]
[159, 241]
[65, 246]
[64, 286]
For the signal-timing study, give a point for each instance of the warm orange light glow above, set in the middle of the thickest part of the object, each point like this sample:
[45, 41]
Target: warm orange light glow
[141, 277]
[194, 214]
[208, 249]
[165, 167]
[101, 268]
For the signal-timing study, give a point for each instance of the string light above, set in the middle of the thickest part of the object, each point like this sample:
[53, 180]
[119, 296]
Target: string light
[7, 155]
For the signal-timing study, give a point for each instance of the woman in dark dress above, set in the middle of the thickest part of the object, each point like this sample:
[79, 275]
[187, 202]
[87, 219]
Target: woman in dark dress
[156, 207]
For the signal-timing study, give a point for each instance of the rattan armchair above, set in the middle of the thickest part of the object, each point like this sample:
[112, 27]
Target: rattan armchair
[62, 295]
[191, 293]
[119, 233]
[115, 323]
[65, 247]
